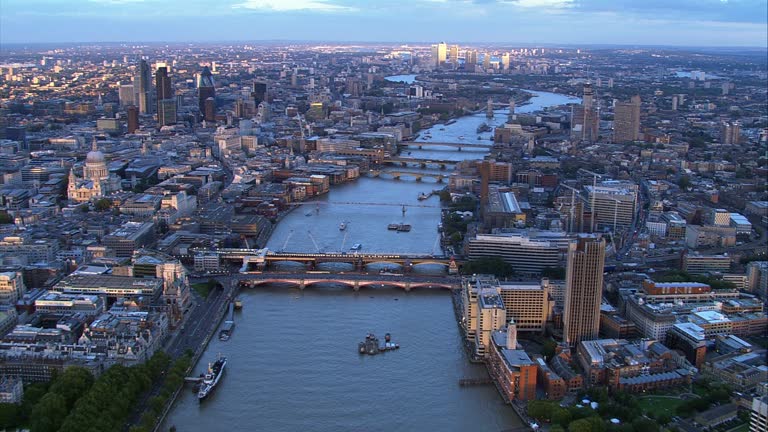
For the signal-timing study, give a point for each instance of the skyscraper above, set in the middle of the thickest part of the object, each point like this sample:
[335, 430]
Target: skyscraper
[259, 92]
[143, 90]
[583, 289]
[166, 103]
[205, 88]
[439, 54]
[487, 61]
[453, 55]
[626, 121]
[133, 119]
[505, 61]
[470, 60]
[162, 85]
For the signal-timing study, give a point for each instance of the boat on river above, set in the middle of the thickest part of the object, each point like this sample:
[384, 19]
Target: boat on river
[342, 226]
[211, 378]
[356, 246]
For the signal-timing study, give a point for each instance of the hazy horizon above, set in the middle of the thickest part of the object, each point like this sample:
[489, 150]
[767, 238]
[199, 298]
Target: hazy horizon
[683, 23]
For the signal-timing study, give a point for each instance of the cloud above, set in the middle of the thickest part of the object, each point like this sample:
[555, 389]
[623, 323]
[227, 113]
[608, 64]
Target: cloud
[293, 5]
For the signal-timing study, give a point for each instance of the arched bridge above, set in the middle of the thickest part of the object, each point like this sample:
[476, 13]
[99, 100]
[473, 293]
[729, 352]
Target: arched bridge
[460, 146]
[396, 174]
[354, 281]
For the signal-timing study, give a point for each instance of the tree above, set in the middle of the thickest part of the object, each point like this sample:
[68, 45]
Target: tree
[490, 265]
[581, 425]
[5, 218]
[548, 349]
[539, 410]
[557, 273]
[561, 416]
[684, 182]
[9, 416]
[49, 413]
[645, 425]
[102, 204]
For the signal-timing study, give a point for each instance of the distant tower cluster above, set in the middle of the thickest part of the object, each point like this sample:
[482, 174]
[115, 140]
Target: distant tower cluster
[626, 121]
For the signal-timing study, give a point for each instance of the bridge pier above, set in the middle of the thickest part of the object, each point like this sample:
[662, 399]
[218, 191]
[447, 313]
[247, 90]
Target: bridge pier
[439, 179]
[302, 285]
[423, 165]
[356, 286]
[407, 287]
[418, 178]
[442, 166]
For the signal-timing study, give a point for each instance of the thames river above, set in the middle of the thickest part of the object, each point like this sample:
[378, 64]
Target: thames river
[293, 362]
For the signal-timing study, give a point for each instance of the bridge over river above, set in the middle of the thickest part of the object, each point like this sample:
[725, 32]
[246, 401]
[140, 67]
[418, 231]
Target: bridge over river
[352, 280]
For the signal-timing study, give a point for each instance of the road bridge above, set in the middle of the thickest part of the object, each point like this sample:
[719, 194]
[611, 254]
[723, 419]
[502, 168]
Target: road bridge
[421, 162]
[354, 281]
[460, 146]
[397, 174]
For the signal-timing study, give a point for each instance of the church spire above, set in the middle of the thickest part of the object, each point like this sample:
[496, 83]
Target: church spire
[94, 144]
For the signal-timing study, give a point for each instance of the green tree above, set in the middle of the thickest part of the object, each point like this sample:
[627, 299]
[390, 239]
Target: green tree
[645, 425]
[490, 265]
[540, 410]
[557, 273]
[5, 218]
[9, 416]
[684, 182]
[561, 416]
[102, 204]
[581, 425]
[72, 384]
[49, 413]
[548, 349]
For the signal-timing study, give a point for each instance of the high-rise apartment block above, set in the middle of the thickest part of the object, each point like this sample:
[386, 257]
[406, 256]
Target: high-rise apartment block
[626, 121]
[583, 289]
[730, 133]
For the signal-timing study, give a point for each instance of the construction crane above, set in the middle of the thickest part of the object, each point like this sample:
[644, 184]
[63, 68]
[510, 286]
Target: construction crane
[574, 192]
[592, 204]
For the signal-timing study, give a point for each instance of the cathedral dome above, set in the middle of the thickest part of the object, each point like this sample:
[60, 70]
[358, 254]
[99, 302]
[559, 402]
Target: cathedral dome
[94, 156]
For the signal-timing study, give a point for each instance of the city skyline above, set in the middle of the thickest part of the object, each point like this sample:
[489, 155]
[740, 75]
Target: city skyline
[687, 23]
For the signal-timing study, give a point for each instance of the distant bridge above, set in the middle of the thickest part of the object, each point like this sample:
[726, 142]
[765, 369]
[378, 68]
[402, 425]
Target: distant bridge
[417, 175]
[354, 281]
[460, 146]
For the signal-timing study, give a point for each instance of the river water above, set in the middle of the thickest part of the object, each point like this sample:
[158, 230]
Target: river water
[293, 363]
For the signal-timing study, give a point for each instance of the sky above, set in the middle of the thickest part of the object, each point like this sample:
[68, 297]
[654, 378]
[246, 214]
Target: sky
[572, 22]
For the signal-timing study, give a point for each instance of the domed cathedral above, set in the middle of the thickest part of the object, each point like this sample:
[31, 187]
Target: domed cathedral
[96, 181]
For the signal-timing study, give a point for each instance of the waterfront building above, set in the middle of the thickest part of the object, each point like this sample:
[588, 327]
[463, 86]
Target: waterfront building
[113, 287]
[528, 304]
[584, 289]
[626, 121]
[524, 254]
[512, 369]
[553, 384]
[491, 316]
